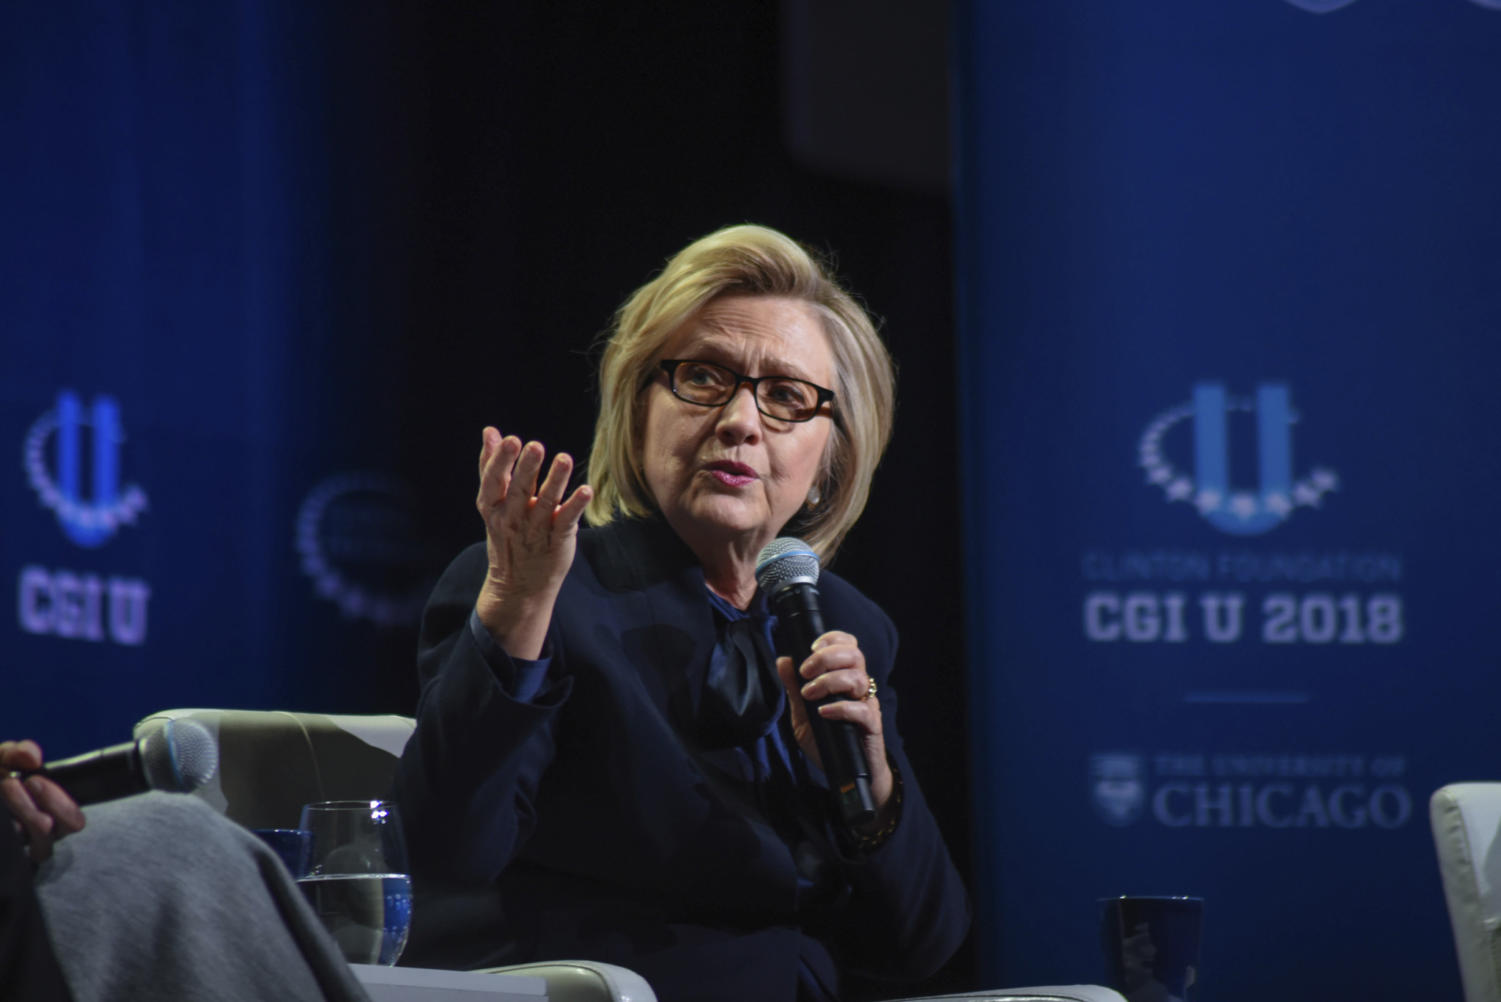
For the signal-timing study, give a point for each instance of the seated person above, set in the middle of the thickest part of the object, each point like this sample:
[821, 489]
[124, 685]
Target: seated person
[609, 762]
[152, 897]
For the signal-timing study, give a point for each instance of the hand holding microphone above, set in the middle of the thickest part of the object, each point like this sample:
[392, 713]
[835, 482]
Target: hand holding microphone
[42, 812]
[835, 717]
[177, 757]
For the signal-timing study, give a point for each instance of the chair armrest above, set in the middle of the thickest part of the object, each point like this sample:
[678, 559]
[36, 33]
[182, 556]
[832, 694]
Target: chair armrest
[584, 981]
[1466, 819]
[1045, 993]
[420, 984]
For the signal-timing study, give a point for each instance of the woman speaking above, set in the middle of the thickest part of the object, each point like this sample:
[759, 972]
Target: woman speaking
[609, 762]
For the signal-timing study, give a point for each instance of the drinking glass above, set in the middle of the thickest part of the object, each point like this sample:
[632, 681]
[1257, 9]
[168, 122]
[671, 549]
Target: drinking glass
[357, 878]
[1152, 946]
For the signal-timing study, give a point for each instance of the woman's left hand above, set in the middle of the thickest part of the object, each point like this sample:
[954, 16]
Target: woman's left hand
[837, 668]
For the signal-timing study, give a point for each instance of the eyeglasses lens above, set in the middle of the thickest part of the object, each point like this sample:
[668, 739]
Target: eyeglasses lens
[711, 385]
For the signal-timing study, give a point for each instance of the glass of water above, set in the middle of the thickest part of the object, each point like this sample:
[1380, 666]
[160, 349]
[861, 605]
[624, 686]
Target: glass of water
[357, 878]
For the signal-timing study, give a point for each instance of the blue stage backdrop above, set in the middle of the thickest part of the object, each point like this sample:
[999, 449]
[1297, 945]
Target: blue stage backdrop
[198, 394]
[1231, 311]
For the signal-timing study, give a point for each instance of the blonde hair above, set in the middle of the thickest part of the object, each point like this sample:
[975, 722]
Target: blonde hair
[752, 260]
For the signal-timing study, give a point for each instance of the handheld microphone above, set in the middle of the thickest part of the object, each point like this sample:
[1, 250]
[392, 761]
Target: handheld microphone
[787, 574]
[178, 757]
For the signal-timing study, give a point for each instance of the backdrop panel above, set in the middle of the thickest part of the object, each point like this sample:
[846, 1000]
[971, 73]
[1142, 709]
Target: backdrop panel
[1230, 307]
[199, 508]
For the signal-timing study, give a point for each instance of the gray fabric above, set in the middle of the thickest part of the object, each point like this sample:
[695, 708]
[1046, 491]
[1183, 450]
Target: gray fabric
[162, 898]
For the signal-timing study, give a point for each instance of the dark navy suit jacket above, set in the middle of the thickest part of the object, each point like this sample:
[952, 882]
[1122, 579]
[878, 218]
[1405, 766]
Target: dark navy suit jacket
[588, 821]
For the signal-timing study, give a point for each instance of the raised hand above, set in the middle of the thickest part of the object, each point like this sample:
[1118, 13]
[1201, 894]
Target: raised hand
[41, 809]
[531, 533]
[837, 668]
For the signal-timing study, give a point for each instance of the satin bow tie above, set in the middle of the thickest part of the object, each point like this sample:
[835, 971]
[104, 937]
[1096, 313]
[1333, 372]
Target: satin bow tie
[742, 695]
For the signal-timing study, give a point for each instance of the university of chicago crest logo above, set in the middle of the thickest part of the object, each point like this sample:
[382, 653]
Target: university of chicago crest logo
[1233, 506]
[1117, 787]
[89, 514]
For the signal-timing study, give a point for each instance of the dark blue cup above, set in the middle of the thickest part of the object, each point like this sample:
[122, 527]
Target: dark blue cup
[1152, 946]
[291, 845]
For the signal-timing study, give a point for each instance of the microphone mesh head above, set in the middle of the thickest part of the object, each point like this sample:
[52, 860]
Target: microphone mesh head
[179, 757]
[784, 561]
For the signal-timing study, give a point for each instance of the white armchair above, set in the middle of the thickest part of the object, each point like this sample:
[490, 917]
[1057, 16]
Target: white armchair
[1466, 819]
[272, 762]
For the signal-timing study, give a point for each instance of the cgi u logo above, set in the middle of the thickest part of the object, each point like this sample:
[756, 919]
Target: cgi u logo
[93, 520]
[1240, 512]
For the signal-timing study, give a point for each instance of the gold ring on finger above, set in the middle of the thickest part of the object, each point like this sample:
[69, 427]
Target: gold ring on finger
[870, 688]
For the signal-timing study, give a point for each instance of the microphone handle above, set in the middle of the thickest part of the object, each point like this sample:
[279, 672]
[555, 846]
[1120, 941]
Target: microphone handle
[102, 775]
[839, 743]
